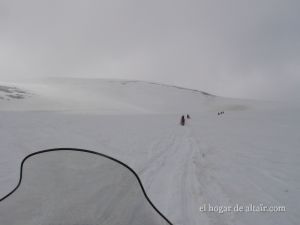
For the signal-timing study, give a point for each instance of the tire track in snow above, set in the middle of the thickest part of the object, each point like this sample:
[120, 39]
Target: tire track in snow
[179, 179]
[163, 144]
[188, 192]
[170, 177]
[209, 189]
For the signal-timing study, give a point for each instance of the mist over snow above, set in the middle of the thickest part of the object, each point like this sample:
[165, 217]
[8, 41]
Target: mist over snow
[237, 48]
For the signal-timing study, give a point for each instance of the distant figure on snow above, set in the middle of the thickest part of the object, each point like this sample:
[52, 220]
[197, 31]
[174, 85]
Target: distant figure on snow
[182, 121]
[188, 116]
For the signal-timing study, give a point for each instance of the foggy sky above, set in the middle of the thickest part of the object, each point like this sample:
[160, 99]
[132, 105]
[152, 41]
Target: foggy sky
[235, 48]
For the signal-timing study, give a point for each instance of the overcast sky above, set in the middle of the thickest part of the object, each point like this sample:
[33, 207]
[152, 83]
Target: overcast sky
[236, 48]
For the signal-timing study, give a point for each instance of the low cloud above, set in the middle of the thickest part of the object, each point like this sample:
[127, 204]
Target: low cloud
[235, 48]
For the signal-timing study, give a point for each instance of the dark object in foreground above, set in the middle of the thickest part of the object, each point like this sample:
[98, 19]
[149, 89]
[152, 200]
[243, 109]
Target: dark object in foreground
[182, 121]
[103, 189]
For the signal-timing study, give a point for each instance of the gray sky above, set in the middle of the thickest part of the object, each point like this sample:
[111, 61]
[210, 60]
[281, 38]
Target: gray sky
[234, 48]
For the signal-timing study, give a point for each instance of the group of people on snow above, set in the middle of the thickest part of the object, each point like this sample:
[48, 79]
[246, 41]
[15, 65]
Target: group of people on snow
[220, 113]
[182, 121]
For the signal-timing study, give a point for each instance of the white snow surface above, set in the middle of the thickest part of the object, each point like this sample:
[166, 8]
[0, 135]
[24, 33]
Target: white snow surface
[248, 155]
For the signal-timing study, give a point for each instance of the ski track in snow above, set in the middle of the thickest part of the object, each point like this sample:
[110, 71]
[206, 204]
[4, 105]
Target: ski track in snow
[180, 169]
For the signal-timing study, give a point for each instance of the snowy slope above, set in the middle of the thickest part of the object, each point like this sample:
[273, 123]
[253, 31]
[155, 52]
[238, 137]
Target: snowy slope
[9, 92]
[114, 97]
[249, 155]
